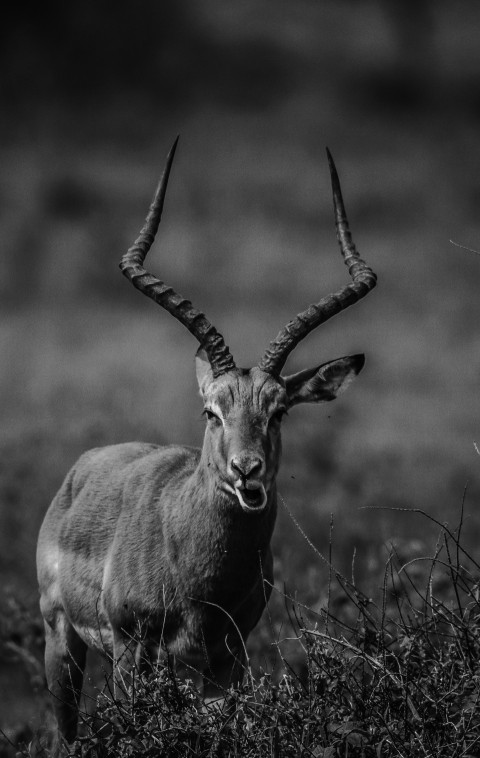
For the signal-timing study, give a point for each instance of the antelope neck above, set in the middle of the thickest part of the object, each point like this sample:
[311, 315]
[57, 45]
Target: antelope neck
[216, 517]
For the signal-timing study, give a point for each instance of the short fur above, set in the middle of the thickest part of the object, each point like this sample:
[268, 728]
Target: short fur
[147, 548]
[171, 545]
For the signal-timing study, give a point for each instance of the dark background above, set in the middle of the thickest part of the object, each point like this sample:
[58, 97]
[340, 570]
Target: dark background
[91, 98]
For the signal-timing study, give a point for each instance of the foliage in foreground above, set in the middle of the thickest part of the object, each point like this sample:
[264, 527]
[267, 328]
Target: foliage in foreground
[398, 677]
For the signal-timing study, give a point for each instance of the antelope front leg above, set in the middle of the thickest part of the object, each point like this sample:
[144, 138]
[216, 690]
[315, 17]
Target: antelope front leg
[128, 661]
[222, 674]
[65, 656]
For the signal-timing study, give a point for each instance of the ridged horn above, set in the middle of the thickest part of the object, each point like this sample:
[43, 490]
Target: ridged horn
[363, 280]
[132, 266]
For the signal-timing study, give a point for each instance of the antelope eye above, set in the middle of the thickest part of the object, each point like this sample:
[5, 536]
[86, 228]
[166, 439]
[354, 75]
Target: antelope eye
[278, 416]
[211, 416]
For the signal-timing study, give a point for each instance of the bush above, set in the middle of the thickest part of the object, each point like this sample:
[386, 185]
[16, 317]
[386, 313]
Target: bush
[394, 677]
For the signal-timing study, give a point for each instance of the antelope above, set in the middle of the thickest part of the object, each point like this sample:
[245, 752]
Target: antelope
[147, 547]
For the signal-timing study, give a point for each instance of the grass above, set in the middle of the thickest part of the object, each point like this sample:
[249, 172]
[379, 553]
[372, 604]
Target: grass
[394, 673]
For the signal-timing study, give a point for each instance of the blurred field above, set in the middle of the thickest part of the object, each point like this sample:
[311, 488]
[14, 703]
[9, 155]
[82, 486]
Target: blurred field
[256, 91]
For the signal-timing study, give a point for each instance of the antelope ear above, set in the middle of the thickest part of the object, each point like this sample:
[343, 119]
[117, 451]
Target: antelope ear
[203, 369]
[325, 382]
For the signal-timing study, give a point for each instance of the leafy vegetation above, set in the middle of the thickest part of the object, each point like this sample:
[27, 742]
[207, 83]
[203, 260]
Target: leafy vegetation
[391, 676]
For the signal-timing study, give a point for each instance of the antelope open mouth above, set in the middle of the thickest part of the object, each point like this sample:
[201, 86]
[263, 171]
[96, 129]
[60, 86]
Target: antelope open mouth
[252, 496]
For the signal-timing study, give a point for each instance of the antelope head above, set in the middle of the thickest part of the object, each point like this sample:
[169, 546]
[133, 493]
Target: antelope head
[244, 407]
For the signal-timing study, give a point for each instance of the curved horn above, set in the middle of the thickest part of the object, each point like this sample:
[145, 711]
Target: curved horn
[132, 266]
[363, 280]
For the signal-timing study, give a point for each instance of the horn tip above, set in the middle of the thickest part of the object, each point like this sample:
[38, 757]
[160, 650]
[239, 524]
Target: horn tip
[172, 150]
[331, 164]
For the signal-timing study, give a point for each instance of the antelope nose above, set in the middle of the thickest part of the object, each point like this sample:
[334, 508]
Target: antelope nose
[247, 467]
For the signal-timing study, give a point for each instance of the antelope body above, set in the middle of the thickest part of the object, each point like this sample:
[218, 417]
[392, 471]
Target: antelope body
[147, 547]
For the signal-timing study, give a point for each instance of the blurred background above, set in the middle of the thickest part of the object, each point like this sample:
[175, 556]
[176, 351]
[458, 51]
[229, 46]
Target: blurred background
[92, 96]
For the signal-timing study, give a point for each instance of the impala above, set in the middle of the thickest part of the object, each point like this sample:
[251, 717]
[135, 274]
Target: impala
[147, 547]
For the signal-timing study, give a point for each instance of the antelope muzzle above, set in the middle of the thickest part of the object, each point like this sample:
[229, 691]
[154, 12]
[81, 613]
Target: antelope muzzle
[248, 473]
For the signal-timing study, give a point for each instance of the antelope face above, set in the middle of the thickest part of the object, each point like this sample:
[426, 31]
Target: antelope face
[244, 409]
